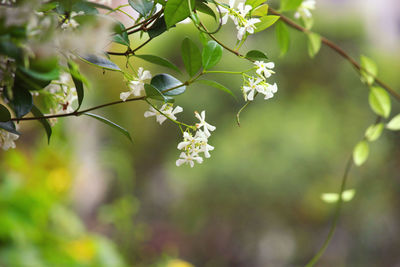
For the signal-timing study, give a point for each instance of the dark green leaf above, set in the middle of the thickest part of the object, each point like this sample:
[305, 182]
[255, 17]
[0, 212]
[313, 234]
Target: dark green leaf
[211, 55]
[287, 5]
[10, 49]
[265, 22]
[48, 76]
[158, 28]
[154, 93]
[191, 56]
[78, 79]
[164, 82]
[121, 36]
[143, 7]
[101, 62]
[176, 10]
[256, 55]
[21, 102]
[9, 126]
[218, 86]
[4, 114]
[159, 61]
[46, 125]
[282, 36]
[110, 123]
[203, 8]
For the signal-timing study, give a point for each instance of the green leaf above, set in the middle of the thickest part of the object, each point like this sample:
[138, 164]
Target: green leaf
[265, 22]
[287, 5]
[211, 55]
[374, 132]
[154, 93]
[78, 79]
[394, 123]
[347, 195]
[121, 36]
[313, 44]
[176, 10]
[361, 152]
[46, 125]
[379, 100]
[48, 76]
[218, 86]
[369, 70]
[101, 62]
[164, 82]
[203, 8]
[159, 61]
[22, 101]
[260, 11]
[282, 36]
[143, 7]
[256, 55]
[254, 3]
[158, 28]
[110, 123]
[191, 56]
[47, 7]
[4, 114]
[9, 126]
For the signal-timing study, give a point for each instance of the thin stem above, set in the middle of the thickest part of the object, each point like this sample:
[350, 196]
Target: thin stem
[337, 49]
[224, 71]
[335, 216]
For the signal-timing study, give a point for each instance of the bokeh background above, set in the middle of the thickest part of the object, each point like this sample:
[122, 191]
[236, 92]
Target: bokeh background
[92, 198]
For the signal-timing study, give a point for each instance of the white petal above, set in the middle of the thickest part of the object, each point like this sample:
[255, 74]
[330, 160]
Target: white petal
[270, 65]
[124, 95]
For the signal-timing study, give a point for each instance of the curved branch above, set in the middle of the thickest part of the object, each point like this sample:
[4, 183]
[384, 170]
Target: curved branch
[337, 49]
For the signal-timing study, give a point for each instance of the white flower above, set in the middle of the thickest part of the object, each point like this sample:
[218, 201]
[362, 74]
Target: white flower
[270, 90]
[253, 85]
[167, 109]
[70, 23]
[136, 86]
[202, 143]
[248, 26]
[264, 68]
[7, 139]
[188, 158]
[304, 9]
[206, 126]
[228, 12]
[243, 9]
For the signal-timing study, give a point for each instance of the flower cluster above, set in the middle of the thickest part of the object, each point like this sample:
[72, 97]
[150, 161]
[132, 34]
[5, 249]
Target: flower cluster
[304, 10]
[136, 86]
[70, 23]
[7, 139]
[260, 84]
[243, 25]
[167, 110]
[193, 145]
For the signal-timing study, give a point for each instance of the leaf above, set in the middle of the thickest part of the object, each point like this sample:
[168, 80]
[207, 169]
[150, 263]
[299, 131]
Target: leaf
[360, 153]
[4, 114]
[347, 195]
[191, 56]
[282, 36]
[379, 101]
[374, 132]
[9, 126]
[158, 28]
[164, 82]
[260, 11]
[101, 62]
[78, 81]
[203, 8]
[47, 76]
[394, 123]
[256, 55]
[143, 7]
[22, 101]
[254, 3]
[121, 36]
[369, 70]
[159, 61]
[211, 55]
[313, 44]
[154, 93]
[287, 5]
[218, 86]
[265, 22]
[176, 10]
[110, 123]
[46, 125]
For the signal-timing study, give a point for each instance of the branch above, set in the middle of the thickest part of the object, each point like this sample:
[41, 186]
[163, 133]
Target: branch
[337, 49]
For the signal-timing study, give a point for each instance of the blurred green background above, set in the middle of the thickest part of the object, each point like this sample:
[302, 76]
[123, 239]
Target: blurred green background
[91, 198]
